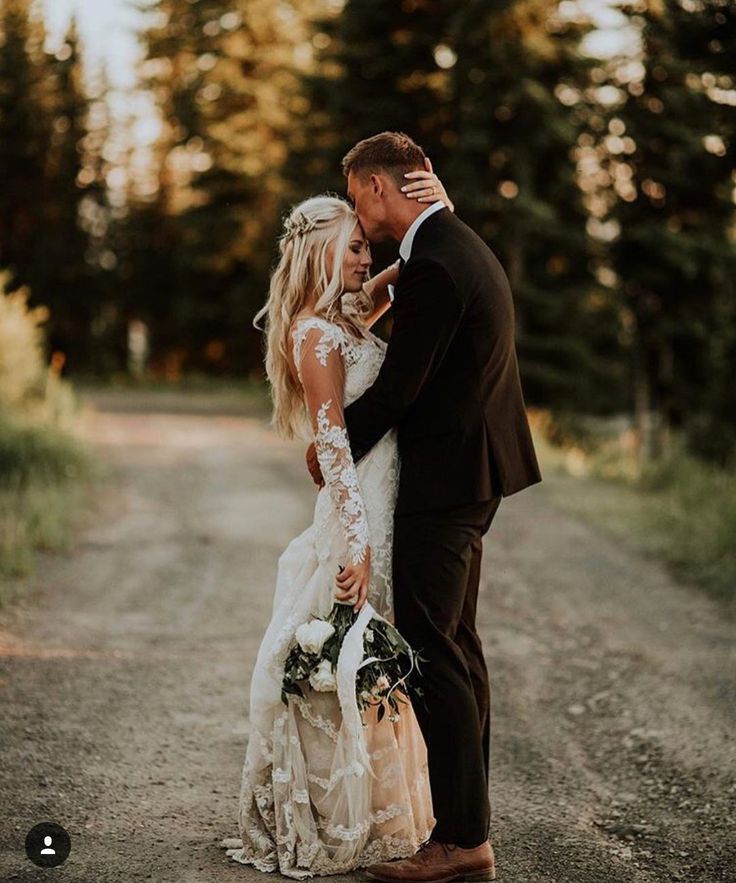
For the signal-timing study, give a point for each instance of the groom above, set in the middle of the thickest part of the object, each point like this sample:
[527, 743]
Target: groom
[450, 384]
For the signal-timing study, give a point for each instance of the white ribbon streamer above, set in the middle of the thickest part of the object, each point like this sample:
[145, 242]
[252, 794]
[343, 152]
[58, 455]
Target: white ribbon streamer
[371, 659]
[348, 662]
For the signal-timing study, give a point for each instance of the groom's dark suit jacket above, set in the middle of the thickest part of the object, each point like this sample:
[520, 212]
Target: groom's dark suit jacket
[450, 380]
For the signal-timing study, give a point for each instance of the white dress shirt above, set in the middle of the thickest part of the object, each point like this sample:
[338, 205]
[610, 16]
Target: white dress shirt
[408, 241]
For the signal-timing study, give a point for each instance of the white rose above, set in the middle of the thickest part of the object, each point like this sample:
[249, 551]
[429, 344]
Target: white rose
[369, 635]
[366, 696]
[311, 636]
[322, 678]
[383, 683]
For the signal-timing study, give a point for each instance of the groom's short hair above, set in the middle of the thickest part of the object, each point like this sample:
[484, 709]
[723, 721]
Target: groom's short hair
[392, 152]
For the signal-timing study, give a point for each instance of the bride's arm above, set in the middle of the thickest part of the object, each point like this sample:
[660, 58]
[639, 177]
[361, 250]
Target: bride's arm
[322, 374]
[377, 289]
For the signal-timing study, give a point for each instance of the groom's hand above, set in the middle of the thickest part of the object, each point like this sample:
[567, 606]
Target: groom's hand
[313, 466]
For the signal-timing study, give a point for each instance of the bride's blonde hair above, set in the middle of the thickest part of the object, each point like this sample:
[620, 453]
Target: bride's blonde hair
[302, 269]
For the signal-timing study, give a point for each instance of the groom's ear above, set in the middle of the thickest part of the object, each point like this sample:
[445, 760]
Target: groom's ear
[377, 185]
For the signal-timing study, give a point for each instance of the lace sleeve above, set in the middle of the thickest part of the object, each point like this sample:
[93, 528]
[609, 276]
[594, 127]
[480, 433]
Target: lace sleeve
[319, 360]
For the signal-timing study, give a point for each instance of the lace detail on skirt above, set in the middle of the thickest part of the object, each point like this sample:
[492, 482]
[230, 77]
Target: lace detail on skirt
[307, 814]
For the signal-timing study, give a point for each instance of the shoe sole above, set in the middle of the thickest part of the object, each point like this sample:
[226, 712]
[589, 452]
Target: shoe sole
[474, 877]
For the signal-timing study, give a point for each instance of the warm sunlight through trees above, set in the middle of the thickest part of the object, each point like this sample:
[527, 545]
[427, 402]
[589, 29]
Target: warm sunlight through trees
[605, 184]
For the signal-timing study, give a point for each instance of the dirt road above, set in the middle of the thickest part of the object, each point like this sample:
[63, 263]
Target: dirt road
[125, 671]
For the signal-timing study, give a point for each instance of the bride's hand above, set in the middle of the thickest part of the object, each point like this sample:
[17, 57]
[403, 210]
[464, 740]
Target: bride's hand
[353, 580]
[389, 275]
[426, 186]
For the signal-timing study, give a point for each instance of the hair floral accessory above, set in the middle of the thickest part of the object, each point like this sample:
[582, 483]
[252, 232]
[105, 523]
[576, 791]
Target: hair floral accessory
[298, 224]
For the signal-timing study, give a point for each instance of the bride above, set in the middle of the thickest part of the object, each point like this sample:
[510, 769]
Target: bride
[324, 791]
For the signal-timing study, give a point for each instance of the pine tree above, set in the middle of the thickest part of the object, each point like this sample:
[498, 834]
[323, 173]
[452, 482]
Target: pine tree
[61, 275]
[377, 66]
[671, 144]
[221, 76]
[100, 222]
[43, 132]
[518, 85]
[23, 136]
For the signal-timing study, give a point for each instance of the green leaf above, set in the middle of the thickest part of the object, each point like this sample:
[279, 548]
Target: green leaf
[293, 689]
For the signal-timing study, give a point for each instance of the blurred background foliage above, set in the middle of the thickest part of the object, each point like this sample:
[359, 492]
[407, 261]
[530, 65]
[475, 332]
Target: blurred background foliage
[603, 177]
[604, 184]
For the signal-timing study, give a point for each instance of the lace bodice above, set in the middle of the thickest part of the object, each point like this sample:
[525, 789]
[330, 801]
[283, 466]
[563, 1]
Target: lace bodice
[335, 368]
[362, 357]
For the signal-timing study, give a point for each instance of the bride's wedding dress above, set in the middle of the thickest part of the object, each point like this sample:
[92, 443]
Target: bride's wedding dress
[322, 793]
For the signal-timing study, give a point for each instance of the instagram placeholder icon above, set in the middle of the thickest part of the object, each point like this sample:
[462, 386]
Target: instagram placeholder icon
[48, 845]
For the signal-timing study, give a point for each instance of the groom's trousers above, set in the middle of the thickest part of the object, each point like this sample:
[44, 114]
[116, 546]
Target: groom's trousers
[436, 573]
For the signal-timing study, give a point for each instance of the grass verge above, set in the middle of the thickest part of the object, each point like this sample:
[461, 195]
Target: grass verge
[45, 475]
[681, 510]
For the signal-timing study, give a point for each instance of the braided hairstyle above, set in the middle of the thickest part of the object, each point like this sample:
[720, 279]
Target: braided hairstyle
[301, 271]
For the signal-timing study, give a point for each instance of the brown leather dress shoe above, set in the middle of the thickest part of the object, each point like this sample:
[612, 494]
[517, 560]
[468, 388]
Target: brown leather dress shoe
[439, 863]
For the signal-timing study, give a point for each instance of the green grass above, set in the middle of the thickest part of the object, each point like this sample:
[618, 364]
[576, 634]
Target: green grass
[44, 478]
[682, 511]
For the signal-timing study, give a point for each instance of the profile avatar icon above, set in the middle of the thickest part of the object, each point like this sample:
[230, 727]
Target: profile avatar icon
[48, 845]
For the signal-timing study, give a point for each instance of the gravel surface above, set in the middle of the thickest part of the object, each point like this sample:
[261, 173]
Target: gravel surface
[125, 670]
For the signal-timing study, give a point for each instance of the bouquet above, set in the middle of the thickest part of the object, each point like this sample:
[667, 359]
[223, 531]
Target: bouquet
[388, 672]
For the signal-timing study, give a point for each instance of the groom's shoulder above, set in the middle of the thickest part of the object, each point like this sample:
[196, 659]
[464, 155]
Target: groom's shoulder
[454, 245]
[446, 235]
